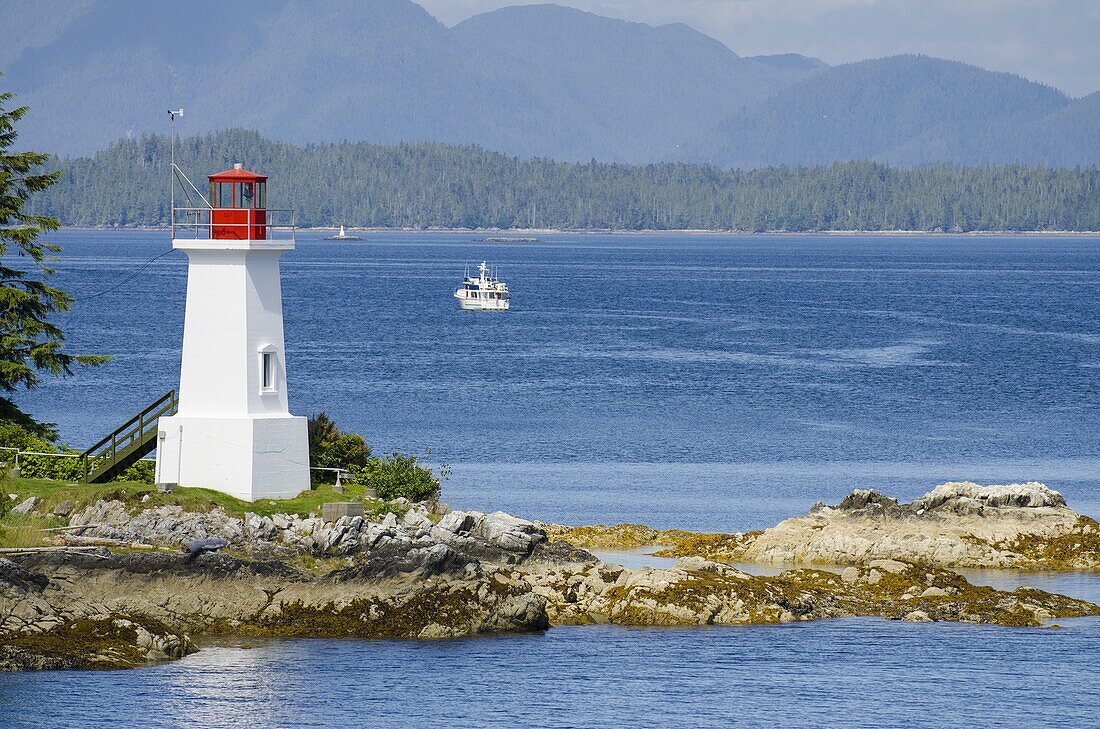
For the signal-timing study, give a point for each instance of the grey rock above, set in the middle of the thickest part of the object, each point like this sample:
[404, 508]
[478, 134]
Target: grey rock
[64, 508]
[459, 522]
[892, 566]
[509, 532]
[968, 497]
[309, 527]
[435, 559]
[864, 498]
[698, 564]
[168, 525]
[25, 507]
[17, 575]
[417, 518]
[371, 534]
[260, 527]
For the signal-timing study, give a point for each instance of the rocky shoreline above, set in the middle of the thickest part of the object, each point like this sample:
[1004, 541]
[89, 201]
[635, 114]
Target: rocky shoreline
[423, 571]
[956, 525]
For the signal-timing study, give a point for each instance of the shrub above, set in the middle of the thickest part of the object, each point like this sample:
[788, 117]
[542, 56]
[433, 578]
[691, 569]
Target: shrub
[16, 436]
[329, 448]
[54, 468]
[140, 472]
[57, 469]
[13, 435]
[397, 476]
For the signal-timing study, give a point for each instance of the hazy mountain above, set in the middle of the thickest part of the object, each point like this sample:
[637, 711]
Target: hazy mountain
[534, 80]
[632, 88]
[911, 110]
[790, 62]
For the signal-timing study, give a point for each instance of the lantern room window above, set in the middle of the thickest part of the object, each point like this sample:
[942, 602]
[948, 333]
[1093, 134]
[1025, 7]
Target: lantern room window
[246, 194]
[239, 195]
[221, 194]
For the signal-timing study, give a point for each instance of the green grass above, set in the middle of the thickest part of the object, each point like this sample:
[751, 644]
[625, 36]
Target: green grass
[26, 531]
[22, 531]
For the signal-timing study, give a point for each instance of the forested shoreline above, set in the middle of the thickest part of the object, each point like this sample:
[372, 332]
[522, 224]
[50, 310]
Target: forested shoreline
[431, 185]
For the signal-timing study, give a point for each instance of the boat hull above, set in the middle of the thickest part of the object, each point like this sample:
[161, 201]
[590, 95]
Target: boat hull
[472, 304]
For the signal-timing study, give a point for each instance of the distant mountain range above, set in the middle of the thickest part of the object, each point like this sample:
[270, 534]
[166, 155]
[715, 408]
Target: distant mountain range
[910, 110]
[536, 80]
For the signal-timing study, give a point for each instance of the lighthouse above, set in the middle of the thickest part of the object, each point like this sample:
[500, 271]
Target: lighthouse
[233, 431]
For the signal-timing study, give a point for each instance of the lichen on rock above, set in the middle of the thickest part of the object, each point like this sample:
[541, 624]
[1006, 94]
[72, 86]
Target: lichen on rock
[1016, 526]
[698, 592]
[470, 573]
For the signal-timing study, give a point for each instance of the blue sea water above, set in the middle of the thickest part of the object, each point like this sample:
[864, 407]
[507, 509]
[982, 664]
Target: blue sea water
[700, 382]
[845, 673]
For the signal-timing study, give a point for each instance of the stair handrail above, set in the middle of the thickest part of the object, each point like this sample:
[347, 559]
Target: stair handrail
[127, 435]
[169, 398]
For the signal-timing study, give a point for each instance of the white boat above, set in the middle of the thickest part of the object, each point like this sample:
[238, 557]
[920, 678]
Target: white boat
[483, 292]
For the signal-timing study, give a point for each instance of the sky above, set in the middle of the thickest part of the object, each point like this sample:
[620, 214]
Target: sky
[1053, 41]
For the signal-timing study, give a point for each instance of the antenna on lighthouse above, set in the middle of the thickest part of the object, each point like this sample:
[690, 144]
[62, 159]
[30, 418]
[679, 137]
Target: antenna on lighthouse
[172, 145]
[192, 211]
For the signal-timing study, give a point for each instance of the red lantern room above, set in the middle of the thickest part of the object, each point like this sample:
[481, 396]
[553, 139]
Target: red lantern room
[239, 201]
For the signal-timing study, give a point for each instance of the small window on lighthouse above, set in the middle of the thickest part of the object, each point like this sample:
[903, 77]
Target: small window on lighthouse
[267, 371]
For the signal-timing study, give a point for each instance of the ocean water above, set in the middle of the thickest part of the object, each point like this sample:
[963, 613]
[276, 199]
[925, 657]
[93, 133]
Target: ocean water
[701, 382]
[844, 673]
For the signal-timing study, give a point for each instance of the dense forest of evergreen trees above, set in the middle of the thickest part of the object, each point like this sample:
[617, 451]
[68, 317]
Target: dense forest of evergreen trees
[429, 185]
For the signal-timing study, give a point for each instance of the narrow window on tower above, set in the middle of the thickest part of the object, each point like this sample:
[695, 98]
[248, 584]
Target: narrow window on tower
[267, 371]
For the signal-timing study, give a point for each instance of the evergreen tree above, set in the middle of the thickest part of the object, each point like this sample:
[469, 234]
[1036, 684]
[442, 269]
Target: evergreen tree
[428, 184]
[29, 342]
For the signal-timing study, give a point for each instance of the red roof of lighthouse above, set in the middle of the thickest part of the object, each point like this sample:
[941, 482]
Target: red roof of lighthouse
[237, 174]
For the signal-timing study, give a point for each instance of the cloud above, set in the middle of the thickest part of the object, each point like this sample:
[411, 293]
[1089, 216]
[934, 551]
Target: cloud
[1053, 41]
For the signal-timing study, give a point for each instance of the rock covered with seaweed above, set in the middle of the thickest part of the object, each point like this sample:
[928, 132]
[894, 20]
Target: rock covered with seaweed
[701, 592]
[425, 572]
[961, 524]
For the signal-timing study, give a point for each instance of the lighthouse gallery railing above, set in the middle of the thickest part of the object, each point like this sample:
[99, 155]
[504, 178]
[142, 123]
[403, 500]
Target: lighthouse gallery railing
[195, 223]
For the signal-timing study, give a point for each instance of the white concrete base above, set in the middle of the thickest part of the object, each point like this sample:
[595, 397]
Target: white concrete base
[251, 458]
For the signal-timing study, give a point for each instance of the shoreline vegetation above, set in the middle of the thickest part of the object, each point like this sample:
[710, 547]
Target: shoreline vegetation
[423, 186]
[94, 577]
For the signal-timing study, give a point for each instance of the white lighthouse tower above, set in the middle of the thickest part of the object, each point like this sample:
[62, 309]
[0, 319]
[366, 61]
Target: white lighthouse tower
[233, 431]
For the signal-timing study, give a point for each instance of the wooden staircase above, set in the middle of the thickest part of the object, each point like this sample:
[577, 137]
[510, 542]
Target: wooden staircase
[129, 443]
